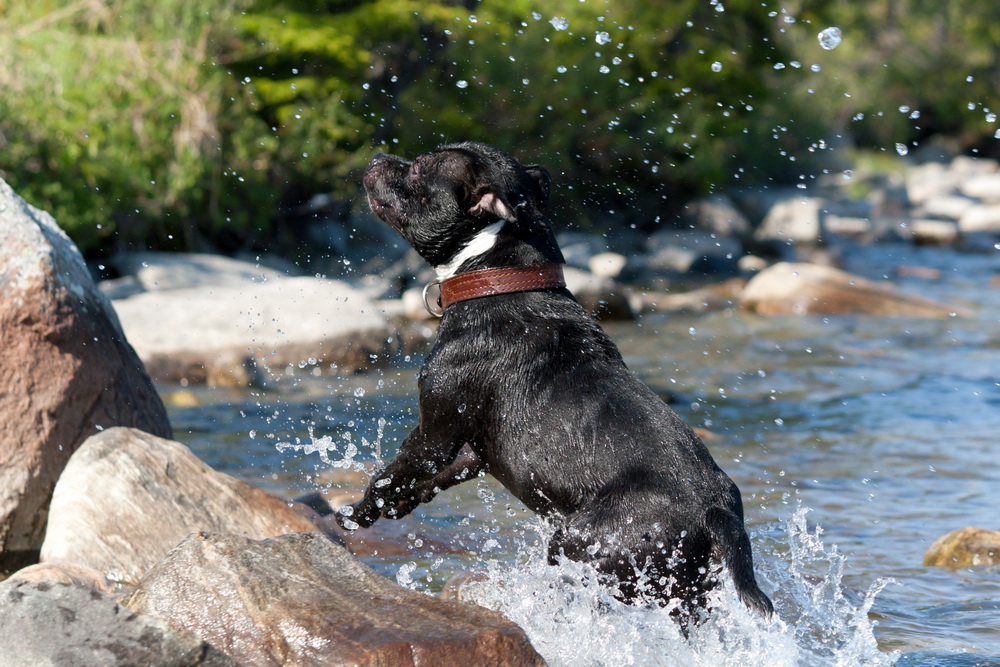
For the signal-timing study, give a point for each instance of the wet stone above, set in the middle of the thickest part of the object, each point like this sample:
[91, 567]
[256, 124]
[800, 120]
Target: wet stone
[93, 631]
[66, 370]
[965, 547]
[301, 599]
[126, 498]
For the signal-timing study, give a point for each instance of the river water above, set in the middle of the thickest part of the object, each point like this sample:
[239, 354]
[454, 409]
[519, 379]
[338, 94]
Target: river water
[856, 441]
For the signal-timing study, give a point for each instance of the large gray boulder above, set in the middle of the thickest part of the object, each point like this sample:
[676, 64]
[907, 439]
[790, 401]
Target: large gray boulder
[43, 623]
[302, 600]
[126, 498]
[65, 372]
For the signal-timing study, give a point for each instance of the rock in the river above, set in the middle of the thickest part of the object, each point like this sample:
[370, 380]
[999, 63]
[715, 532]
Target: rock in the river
[793, 220]
[601, 297]
[982, 218]
[65, 370]
[160, 271]
[43, 623]
[126, 498]
[300, 599]
[65, 573]
[965, 547]
[256, 330]
[719, 215]
[808, 289]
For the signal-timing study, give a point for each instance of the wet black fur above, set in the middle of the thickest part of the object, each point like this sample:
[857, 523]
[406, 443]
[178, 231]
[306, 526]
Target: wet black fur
[529, 388]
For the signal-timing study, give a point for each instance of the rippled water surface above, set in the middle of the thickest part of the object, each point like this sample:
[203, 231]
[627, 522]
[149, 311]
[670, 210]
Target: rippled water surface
[856, 441]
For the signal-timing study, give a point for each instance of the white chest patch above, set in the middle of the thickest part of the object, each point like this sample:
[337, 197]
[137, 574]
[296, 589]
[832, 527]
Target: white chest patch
[479, 244]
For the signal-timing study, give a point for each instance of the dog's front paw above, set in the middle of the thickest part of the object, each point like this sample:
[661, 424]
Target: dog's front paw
[358, 515]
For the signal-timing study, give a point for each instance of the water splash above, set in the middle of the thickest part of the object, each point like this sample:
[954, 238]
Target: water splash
[342, 454]
[830, 38]
[572, 620]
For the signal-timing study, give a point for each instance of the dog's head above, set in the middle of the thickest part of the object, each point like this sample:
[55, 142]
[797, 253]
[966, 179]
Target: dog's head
[460, 201]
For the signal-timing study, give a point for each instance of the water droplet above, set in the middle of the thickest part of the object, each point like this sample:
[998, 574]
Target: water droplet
[716, 66]
[359, 392]
[559, 23]
[603, 38]
[829, 39]
[462, 83]
[461, 408]
[815, 68]
[561, 69]
[605, 69]
[996, 135]
[902, 149]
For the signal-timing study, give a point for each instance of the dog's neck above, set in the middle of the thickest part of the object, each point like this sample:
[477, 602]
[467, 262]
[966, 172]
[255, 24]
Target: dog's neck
[491, 249]
[480, 244]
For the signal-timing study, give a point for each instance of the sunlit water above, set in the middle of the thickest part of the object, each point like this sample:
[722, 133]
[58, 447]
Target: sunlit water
[856, 442]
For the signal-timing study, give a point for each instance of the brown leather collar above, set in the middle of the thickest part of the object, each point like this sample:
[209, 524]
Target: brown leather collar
[490, 282]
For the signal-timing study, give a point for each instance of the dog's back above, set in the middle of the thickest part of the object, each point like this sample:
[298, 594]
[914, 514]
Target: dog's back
[574, 434]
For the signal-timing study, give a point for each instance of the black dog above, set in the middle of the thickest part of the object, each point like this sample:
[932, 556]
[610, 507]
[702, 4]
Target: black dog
[525, 385]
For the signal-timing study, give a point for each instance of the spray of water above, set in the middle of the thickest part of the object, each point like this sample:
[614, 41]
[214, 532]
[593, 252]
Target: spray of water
[572, 620]
[340, 454]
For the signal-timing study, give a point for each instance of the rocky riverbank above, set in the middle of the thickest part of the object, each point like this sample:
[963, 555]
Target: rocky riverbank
[142, 554]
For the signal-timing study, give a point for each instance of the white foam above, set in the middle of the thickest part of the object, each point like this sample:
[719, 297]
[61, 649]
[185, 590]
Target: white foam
[480, 244]
[572, 621]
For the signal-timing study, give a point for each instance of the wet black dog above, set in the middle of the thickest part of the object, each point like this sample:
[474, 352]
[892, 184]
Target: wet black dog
[529, 388]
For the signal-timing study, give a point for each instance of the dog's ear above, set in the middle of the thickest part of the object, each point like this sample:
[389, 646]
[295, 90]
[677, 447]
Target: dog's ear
[541, 179]
[490, 204]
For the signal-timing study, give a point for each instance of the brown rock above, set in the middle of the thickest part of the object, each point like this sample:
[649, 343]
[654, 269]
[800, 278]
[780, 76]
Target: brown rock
[965, 547]
[810, 289]
[65, 372]
[300, 599]
[126, 498]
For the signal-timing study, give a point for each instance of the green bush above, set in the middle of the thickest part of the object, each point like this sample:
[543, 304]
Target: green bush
[198, 124]
[113, 119]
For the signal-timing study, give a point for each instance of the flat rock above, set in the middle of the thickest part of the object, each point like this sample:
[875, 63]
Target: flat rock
[159, 271]
[301, 599]
[46, 623]
[946, 207]
[981, 218]
[933, 232]
[965, 547]
[602, 297]
[717, 214]
[66, 370]
[64, 573]
[808, 289]
[257, 330]
[126, 498]
[793, 220]
[984, 187]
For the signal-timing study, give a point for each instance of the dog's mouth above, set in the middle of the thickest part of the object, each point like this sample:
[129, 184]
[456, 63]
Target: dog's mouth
[385, 211]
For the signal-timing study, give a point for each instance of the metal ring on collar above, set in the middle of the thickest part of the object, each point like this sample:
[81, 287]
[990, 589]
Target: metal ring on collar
[435, 308]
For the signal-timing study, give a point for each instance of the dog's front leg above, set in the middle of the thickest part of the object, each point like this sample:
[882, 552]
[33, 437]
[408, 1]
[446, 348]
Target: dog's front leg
[420, 469]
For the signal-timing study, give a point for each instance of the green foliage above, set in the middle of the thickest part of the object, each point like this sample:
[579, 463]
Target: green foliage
[624, 102]
[908, 69]
[196, 123]
[112, 121]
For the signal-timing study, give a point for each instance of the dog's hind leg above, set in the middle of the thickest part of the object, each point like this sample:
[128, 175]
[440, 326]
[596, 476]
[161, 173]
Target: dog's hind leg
[733, 549]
